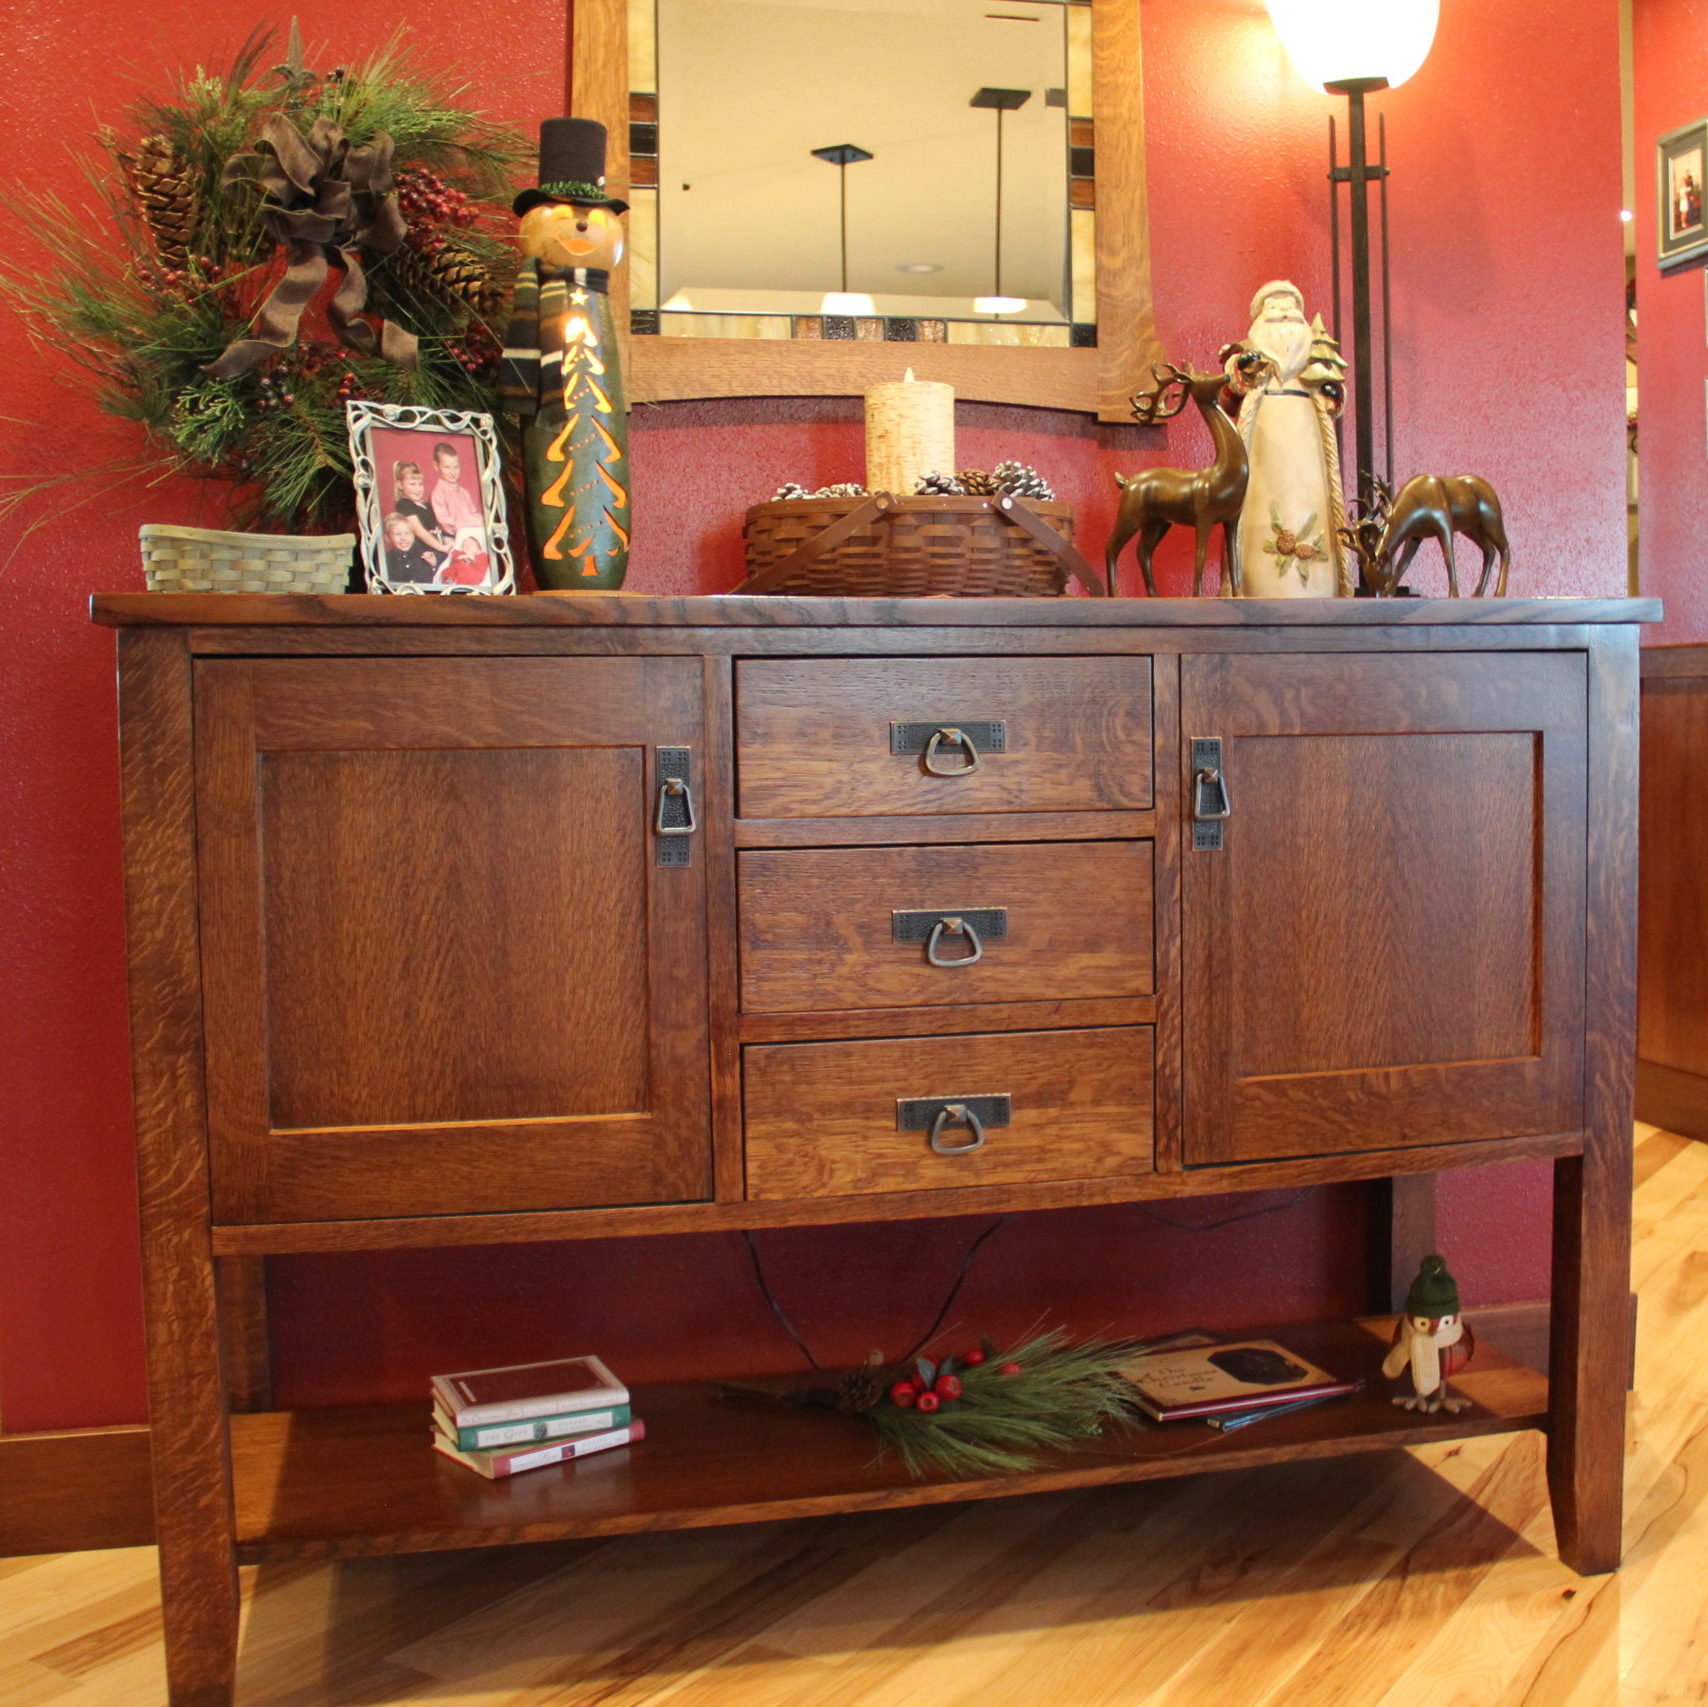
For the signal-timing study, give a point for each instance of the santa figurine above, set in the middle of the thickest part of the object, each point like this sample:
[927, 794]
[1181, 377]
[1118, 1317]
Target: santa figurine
[562, 373]
[1431, 1340]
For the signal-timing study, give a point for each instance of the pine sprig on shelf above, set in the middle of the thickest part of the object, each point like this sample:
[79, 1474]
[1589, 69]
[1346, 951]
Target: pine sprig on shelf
[1014, 1407]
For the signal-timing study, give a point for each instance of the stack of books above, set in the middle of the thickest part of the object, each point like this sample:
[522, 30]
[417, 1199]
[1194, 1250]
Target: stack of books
[1226, 1383]
[524, 1416]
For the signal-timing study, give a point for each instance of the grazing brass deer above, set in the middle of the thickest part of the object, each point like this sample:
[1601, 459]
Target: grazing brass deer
[1156, 499]
[1431, 506]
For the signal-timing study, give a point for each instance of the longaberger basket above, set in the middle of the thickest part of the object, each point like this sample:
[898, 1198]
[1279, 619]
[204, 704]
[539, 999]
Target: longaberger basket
[888, 547]
[206, 560]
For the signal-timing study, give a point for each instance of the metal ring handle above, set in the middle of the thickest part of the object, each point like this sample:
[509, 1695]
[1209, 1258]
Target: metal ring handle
[675, 786]
[1209, 784]
[961, 1115]
[949, 736]
[955, 927]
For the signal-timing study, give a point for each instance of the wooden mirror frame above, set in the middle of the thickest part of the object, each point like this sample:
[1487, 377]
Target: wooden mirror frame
[1093, 381]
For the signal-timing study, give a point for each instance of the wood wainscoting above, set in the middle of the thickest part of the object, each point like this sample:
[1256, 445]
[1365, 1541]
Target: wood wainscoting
[1672, 953]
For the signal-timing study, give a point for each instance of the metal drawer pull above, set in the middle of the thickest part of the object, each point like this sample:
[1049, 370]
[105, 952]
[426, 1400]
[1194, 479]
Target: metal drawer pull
[937, 1115]
[953, 926]
[960, 1115]
[1210, 795]
[683, 821]
[949, 736]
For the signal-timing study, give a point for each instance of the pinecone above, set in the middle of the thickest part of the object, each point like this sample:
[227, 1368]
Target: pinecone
[789, 489]
[165, 191]
[843, 489]
[861, 1390]
[976, 483]
[940, 485]
[447, 272]
[1021, 480]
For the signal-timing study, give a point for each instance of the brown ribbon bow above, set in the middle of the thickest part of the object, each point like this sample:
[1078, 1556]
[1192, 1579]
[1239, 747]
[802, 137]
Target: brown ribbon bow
[322, 199]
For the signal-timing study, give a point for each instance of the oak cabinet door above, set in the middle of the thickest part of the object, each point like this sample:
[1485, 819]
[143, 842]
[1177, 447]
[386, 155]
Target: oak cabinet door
[445, 970]
[1388, 947]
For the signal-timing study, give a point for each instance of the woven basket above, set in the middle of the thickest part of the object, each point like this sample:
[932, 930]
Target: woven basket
[887, 547]
[201, 560]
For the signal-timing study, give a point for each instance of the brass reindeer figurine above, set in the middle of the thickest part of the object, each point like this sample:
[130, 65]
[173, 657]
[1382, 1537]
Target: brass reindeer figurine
[1430, 506]
[1156, 499]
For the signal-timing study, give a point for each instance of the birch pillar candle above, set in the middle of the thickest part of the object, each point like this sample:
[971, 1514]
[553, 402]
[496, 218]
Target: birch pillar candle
[910, 432]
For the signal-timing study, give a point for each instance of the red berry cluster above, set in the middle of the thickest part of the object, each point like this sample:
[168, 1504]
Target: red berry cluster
[425, 200]
[932, 1386]
[477, 352]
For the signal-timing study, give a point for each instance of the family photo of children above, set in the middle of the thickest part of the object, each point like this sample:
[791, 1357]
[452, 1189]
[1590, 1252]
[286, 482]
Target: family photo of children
[426, 528]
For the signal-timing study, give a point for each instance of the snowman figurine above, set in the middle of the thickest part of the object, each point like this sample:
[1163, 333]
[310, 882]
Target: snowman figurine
[562, 372]
[1431, 1340]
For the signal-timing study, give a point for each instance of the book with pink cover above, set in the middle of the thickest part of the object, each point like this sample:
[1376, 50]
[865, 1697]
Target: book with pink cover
[513, 1392]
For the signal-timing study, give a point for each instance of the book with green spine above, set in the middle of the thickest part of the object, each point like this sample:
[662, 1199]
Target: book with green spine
[484, 1437]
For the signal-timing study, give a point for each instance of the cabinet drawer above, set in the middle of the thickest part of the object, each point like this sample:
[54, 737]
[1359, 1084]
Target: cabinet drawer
[822, 1117]
[846, 737]
[1053, 920]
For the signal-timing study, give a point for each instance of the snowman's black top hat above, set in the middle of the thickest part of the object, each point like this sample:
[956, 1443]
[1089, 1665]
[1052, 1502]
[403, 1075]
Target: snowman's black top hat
[572, 167]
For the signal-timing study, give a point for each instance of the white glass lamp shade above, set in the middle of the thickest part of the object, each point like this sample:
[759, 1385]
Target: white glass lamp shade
[998, 304]
[847, 302]
[1336, 41]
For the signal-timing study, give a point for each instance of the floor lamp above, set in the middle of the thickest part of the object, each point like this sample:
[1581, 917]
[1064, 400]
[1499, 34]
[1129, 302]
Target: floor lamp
[1353, 48]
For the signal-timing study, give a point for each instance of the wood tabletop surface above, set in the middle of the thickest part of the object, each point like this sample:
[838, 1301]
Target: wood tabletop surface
[721, 610]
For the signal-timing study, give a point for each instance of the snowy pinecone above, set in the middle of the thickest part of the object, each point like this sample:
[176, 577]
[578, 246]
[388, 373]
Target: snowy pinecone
[843, 489]
[790, 489]
[1021, 480]
[939, 485]
[976, 483]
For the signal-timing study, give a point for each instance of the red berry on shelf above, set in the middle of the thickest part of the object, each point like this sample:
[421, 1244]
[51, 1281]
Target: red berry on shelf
[948, 1387]
[1009, 1369]
[927, 1402]
[903, 1393]
[974, 1357]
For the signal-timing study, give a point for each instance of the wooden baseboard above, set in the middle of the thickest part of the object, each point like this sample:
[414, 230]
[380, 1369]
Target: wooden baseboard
[66, 1493]
[1672, 1099]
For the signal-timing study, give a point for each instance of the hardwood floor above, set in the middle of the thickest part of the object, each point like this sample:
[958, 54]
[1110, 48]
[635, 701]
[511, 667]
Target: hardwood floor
[1418, 1580]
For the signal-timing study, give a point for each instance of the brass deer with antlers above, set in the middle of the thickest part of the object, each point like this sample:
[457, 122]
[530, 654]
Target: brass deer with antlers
[1156, 499]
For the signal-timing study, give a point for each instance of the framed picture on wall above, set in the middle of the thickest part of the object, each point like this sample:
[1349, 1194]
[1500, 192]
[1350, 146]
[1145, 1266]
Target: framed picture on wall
[429, 501]
[1681, 161]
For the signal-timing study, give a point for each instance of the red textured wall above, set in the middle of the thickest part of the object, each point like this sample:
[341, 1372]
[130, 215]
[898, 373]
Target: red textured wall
[1671, 49]
[1503, 266]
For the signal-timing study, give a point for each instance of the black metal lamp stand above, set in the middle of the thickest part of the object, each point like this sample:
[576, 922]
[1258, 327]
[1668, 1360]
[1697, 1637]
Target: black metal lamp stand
[1358, 174]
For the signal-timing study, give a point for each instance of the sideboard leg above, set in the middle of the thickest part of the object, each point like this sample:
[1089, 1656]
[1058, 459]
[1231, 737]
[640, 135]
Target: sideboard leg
[1591, 1322]
[189, 1429]
[1590, 1352]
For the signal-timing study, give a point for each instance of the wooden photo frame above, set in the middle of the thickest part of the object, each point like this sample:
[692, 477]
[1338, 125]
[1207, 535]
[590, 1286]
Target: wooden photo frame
[1681, 191]
[429, 500]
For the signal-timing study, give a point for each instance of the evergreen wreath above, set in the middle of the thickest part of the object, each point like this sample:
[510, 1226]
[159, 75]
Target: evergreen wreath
[265, 245]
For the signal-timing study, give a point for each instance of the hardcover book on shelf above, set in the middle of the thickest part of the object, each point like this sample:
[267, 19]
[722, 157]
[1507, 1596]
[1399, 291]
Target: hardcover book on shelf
[519, 1392]
[492, 1465]
[487, 1437]
[1227, 1376]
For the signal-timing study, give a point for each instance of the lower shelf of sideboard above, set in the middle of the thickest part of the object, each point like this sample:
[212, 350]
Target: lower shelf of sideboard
[336, 1483]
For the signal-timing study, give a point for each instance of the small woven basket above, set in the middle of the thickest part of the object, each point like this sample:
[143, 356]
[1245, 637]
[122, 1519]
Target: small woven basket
[203, 560]
[888, 547]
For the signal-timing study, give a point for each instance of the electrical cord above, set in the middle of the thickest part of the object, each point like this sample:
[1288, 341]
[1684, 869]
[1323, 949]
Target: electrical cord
[924, 1339]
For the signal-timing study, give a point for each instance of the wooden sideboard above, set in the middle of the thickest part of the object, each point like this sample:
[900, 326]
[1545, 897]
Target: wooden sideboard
[1672, 956]
[467, 921]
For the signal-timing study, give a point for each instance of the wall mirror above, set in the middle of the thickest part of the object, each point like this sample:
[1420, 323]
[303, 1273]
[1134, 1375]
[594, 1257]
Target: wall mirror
[977, 215]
